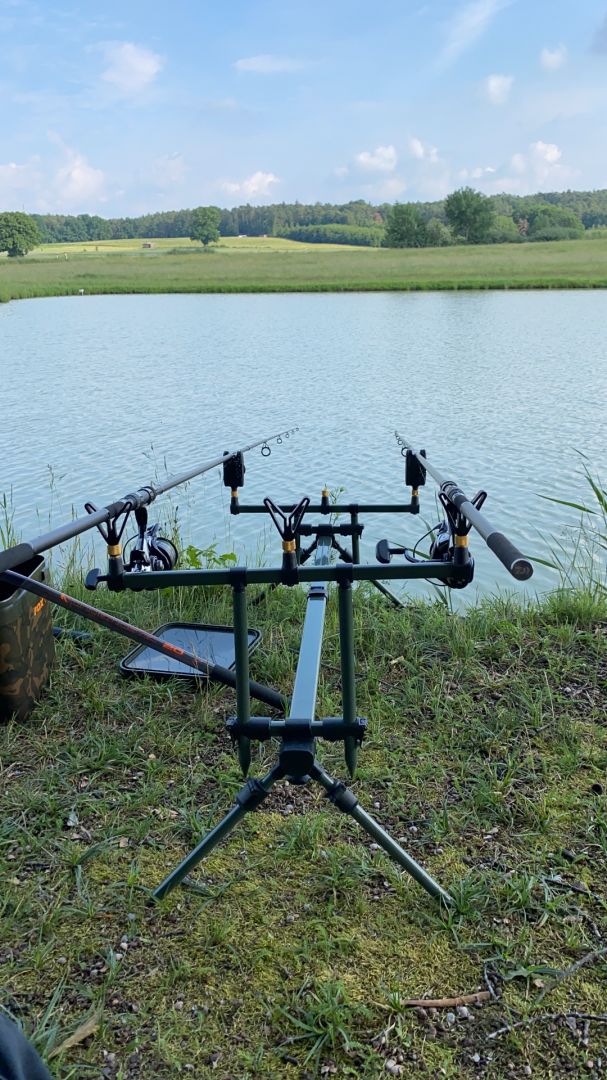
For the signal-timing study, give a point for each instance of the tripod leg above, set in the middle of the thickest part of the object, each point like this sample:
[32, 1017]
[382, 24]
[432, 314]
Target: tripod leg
[346, 557]
[248, 798]
[388, 592]
[345, 800]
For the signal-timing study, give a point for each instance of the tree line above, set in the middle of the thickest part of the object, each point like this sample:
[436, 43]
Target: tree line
[283, 219]
[465, 216]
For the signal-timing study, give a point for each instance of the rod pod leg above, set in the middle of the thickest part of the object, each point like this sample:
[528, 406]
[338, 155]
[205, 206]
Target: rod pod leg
[250, 796]
[346, 801]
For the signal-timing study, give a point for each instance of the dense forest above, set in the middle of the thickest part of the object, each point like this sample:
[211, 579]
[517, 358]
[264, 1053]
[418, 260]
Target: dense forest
[356, 222]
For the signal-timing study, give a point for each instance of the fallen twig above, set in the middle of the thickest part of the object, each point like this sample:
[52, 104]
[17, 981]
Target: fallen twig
[570, 886]
[447, 1003]
[488, 982]
[600, 1018]
[590, 957]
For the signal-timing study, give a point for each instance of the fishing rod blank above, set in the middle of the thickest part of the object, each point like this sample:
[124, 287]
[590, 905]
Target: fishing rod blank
[510, 557]
[212, 671]
[21, 553]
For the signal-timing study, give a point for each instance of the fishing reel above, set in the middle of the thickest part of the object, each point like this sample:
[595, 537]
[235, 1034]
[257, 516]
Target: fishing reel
[149, 551]
[449, 543]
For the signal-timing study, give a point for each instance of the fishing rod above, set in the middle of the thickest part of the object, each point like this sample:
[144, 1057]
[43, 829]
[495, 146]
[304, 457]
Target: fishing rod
[462, 513]
[204, 667]
[135, 502]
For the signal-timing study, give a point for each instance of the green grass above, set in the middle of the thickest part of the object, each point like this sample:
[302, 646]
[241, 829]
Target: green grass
[273, 265]
[486, 752]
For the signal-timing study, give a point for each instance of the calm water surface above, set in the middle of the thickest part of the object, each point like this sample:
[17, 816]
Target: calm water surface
[100, 394]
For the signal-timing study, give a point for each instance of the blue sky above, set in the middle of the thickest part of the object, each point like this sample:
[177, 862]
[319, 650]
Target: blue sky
[124, 108]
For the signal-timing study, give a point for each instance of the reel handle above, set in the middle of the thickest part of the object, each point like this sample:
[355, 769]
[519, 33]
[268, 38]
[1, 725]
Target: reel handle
[384, 553]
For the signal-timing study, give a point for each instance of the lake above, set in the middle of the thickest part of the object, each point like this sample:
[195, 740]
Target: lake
[101, 394]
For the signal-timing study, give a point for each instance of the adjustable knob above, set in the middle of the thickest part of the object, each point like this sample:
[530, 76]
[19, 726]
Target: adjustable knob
[93, 578]
[384, 553]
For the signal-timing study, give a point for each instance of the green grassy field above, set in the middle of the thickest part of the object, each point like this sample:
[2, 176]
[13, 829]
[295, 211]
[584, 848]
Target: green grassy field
[273, 265]
[486, 753]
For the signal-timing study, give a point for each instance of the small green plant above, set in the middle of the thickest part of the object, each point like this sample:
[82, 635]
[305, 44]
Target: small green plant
[322, 1015]
[8, 535]
[194, 558]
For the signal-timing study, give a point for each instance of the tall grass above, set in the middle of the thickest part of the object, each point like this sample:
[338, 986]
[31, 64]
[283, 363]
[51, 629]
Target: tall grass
[300, 268]
[581, 558]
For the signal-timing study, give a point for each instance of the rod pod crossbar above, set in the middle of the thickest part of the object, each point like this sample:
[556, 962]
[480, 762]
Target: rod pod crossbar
[450, 491]
[20, 553]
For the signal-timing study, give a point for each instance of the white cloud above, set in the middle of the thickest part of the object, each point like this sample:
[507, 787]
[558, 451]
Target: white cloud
[131, 68]
[477, 173]
[545, 164]
[340, 171]
[467, 26]
[256, 186]
[267, 64]
[63, 183]
[416, 147]
[552, 59]
[382, 159]
[77, 183]
[19, 184]
[539, 169]
[423, 151]
[11, 175]
[497, 88]
[546, 152]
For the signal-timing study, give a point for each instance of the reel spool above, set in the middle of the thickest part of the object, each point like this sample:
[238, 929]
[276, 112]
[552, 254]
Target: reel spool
[151, 552]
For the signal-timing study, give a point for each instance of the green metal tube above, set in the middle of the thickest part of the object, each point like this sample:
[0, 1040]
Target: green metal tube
[348, 683]
[348, 803]
[217, 834]
[335, 508]
[204, 848]
[241, 655]
[257, 575]
[355, 538]
[396, 852]
[390, 595]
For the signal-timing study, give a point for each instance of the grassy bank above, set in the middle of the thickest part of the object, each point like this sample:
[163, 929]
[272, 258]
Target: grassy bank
[486, 752]
[271, 265]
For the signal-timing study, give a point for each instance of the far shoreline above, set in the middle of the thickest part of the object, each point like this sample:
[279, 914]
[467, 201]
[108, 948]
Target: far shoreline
[290, 290]
[271, 266]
